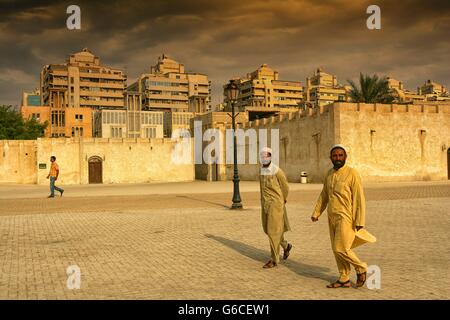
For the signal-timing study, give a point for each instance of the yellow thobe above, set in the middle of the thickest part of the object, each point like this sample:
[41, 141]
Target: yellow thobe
[274, 191]
[343, 194]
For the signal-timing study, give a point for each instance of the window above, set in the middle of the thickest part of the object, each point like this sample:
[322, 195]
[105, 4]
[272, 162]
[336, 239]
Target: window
[71, 80]
[79, 117]
[58, 119]
[71, 90]
[77, 132]
[150, 132]
[116, 132]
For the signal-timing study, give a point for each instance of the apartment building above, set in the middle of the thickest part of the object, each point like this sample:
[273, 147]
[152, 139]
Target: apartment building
[176, 120]
[323, 88]
[262, 93]
[86, 82]
[434, 91]
[62, 121]
[169, 88]
[131, 122]
[402, 94]
[429, 91]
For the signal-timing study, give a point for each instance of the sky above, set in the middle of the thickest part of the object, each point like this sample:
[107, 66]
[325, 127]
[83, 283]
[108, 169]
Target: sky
[229, 38]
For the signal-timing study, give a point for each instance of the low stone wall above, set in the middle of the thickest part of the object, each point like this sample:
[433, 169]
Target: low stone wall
[122, 160]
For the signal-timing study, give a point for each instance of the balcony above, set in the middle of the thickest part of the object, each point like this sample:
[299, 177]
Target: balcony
[106, 94]
[102, 103]
[102, 85]
[167, 97]
[101, 75]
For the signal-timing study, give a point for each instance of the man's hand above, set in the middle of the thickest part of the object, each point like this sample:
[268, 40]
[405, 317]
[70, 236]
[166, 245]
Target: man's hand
[314, 219]
[358, 228]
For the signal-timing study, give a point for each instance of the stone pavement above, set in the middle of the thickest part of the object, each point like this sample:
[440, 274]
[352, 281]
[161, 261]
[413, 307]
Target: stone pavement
[178, 245]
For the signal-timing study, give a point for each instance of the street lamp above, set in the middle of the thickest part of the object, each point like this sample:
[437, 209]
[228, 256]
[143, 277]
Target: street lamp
[232, 91]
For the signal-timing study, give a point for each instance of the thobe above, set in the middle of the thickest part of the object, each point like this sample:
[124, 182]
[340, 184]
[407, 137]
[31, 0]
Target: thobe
[343, 194]
[274, 191]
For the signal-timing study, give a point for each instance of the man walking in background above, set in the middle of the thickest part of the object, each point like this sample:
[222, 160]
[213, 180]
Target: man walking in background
[274, 191]
[53, 175]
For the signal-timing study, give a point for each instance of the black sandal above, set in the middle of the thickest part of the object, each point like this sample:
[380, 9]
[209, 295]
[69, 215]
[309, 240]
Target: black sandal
[339, 284]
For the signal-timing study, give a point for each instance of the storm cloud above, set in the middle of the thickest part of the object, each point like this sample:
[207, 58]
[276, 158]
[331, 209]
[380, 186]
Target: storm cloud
[229, 38]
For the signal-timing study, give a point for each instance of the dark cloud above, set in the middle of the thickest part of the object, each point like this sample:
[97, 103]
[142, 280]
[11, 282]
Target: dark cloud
[225, 38]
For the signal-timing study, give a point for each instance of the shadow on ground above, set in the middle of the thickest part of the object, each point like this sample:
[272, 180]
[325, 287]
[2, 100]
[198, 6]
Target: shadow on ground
[205, 201]
[302, 269]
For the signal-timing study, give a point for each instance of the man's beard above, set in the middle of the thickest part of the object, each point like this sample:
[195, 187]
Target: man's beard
[338, 164]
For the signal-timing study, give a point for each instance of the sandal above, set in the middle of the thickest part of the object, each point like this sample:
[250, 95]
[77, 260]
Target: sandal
[361, 279]
[339, 284]
[270, 264]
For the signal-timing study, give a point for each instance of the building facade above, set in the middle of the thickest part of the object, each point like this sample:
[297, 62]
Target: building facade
[402, 94]
[429, 91]
[322, 89]
[262, 93]
[92, 160]
[176, 120]
[126, 124]
[130, 122]
[62, 121]
[85, 81]
[167, 87]
[385, 142]
[434, 91]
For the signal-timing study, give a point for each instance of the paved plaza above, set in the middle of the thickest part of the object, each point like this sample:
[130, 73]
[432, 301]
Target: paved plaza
[180, 241]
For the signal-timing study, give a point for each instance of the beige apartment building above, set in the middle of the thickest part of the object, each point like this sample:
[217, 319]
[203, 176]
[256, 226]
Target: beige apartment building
[434, 91]
[402, 94]
[176, 120]
[167, 87]
[262, 93]
[131, 122]
[430, 91]
[86, 82]
[323, 89]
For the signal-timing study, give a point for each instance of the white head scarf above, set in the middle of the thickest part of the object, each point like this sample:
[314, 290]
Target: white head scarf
[339, 146]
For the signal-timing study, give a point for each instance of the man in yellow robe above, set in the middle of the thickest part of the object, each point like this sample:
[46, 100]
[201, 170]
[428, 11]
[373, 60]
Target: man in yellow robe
[343, 194]
[274, 191]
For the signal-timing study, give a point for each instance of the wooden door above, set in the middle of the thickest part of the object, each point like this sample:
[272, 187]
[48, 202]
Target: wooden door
[95, 170]
[448, 163]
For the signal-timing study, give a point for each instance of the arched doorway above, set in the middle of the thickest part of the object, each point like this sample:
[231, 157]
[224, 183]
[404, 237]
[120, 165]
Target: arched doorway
[448, 163]
[95, 170]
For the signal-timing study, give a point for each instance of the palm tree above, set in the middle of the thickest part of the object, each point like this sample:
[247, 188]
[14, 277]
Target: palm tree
[372, 90]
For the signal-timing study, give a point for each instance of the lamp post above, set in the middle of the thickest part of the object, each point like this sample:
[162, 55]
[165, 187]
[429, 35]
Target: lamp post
[232, 92]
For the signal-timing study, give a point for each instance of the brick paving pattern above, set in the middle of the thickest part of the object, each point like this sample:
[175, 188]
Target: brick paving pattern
[191, 246]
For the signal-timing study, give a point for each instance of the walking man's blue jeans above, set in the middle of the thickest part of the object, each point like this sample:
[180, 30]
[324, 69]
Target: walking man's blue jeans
[53, 187]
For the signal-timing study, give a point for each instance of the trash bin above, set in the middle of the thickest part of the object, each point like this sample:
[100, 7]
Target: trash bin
[303, 177]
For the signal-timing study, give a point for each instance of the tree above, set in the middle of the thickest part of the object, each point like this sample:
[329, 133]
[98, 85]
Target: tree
[14, 127]
[372, 89]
